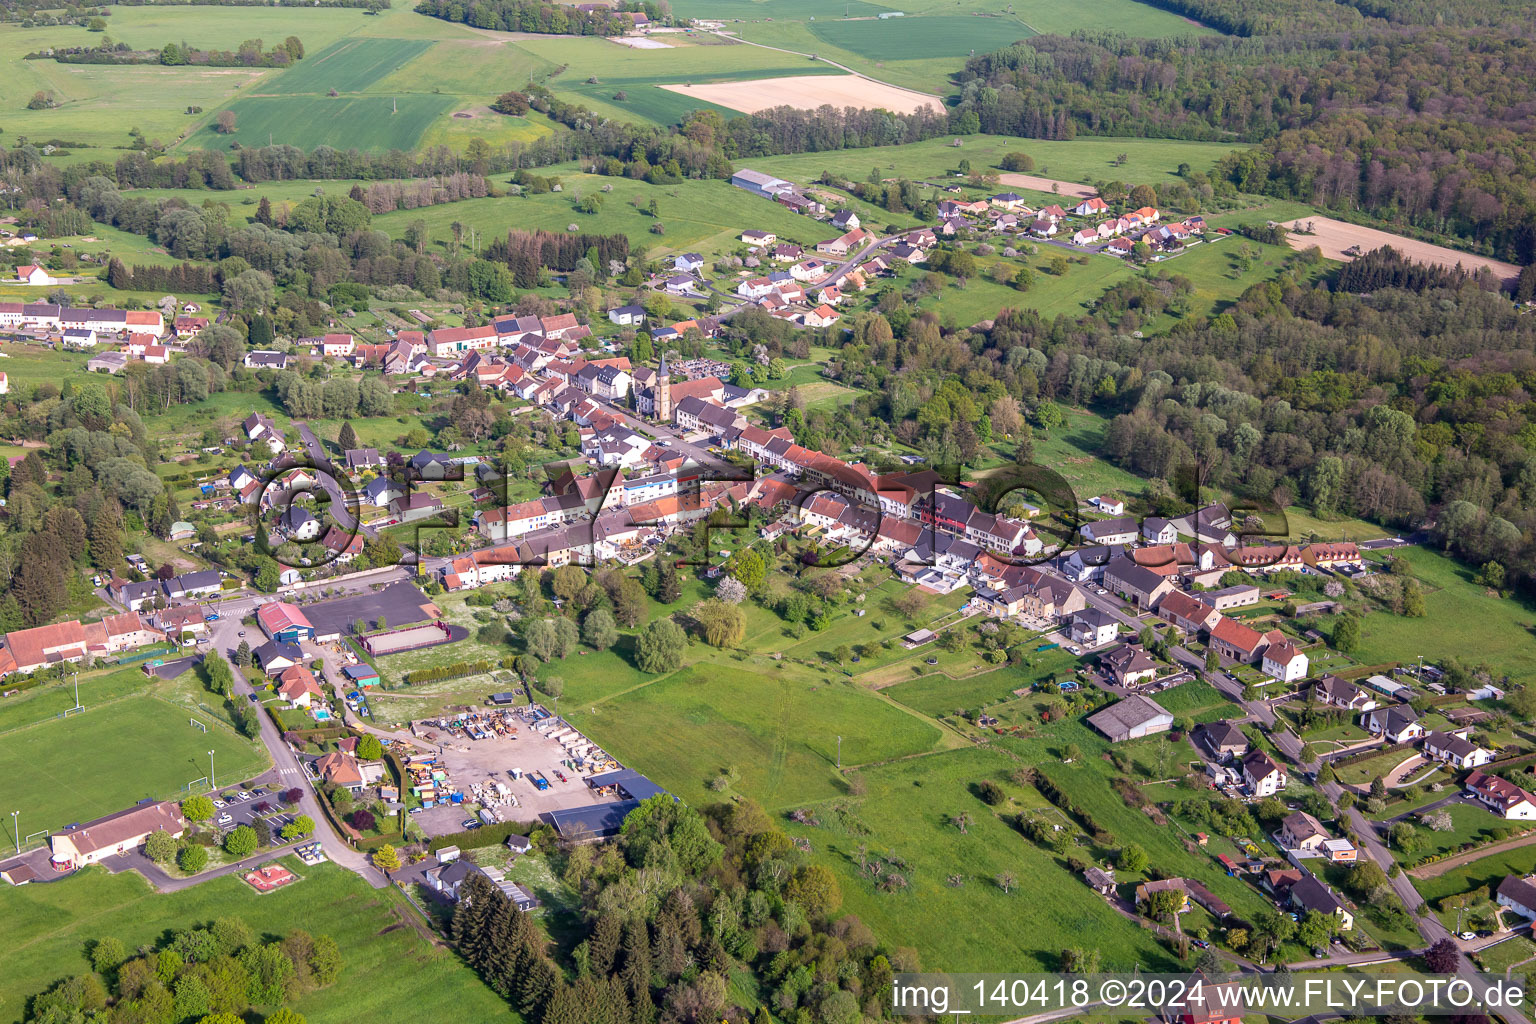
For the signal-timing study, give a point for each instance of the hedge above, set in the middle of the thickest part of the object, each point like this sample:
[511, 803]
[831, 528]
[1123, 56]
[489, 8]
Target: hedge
[455, 671]
[1066, 805]
[477, 838]
[1369, 753]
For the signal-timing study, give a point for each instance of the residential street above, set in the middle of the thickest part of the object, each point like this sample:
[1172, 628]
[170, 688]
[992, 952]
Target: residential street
[286, 764]
[339, 507]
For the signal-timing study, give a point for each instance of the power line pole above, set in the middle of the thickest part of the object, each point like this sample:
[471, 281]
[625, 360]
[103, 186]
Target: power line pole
[212, 780]
[16, 829]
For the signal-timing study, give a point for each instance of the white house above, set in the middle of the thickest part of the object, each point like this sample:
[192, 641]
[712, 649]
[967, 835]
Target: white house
[1262, 775]
[1455, 750]
[1156, 530]
[1397, 724]
[36, 276]
[1519, 895]
[1501, 796]
[1285, 662]
[1093, 628]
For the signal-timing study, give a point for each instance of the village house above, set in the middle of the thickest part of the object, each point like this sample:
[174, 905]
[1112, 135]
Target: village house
[1237, 642]
[1129, 665]
[1454, 749]
[1284, 662]
[1300, 831]
[1188, 613]
[1139, 585]
[1110, 532]
[1397, 724]
[1341, 693]
[1092, 628]
[1223, 739]
[1309, 895]
[1262, 775]
[1517, 894]
[1501, 796]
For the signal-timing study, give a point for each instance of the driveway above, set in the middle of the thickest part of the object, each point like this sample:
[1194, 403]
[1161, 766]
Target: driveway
[156, 876]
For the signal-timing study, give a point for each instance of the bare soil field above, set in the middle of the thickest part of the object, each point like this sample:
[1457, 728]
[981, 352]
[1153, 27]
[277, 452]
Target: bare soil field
[807, 92]
[1334, 236]
[640, 42]
[1065, 188]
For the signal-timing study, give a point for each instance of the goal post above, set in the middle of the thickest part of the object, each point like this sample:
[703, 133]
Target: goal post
[198, 725]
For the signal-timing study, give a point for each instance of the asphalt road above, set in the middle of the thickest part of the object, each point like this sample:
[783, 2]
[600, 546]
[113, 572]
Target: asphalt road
[340, 508]
[286, 765]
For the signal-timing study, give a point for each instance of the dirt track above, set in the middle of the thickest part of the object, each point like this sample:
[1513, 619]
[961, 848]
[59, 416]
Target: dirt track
[1334, 236]
[1063, 188]
[807, 92]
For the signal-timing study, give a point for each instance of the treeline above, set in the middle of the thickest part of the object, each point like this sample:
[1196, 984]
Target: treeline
[413, 195]
[181, 279]
[215, 972]
[324, 241]
[528, 16]
[249, 55]
[1441, 149]
[681, 904]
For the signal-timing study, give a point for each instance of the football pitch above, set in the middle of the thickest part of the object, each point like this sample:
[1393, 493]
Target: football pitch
[110, 756]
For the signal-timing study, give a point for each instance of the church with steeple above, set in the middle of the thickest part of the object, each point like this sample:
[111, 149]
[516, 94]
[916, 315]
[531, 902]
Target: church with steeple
[662, 402]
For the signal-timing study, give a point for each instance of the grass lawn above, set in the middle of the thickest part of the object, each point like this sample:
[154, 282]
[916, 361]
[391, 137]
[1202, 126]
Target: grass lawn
[1452, 600]
[1151, 161]
[388, 961]
[1515, 950]
[1471, 824]
[120, 752]
[49, 700]
[706, 216]
[1489, 871]
[911, 38]
[906, 812]
[778, 728]
[939, 694]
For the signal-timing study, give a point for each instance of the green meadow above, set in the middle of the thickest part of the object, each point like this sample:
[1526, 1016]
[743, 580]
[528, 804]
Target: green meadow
[1147, 161]
[912, 38]
[389, 961]
[1452, 600]
[118, 752]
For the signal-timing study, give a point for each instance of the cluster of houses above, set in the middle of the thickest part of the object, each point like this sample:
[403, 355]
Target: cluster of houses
[82, 330]
[27, 650]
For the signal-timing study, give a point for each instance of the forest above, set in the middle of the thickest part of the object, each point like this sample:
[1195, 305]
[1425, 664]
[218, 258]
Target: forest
[1428, 127]
[682, 902]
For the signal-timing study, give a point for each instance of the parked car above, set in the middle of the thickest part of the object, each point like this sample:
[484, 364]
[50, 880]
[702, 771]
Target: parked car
[219, 804]
[225, 819]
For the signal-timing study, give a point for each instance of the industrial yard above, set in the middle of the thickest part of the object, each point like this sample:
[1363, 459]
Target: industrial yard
[517, 764]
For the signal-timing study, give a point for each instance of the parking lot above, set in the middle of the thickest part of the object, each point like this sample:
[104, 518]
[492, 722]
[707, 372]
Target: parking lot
[261, 802]
[490, 760]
